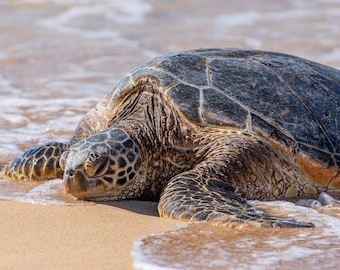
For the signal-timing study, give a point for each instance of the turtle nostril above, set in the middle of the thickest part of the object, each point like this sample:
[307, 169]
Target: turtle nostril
[70, 173]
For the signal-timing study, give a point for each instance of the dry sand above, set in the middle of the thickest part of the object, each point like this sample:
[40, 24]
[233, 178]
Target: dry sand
[75, 237]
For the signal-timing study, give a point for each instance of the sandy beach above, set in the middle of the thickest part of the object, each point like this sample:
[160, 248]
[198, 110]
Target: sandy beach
[98, 236]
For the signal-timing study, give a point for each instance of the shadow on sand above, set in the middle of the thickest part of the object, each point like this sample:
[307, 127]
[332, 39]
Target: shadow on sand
[147, 208]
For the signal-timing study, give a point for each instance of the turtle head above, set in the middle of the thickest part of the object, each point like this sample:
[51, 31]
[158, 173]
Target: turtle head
[105, 166]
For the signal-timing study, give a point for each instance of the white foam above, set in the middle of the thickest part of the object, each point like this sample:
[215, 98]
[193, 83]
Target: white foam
[215, 247]
[32, 116]
[49, 193]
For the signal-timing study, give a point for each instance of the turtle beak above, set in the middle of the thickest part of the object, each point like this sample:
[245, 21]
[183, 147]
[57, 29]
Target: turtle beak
[74, 183]
[79, 186]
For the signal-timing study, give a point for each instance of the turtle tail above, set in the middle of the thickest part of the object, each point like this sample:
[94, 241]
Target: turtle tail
[40, 163]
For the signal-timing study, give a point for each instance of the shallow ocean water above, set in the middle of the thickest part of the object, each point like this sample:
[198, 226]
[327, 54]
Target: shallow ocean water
[58, 58]
[204, 246]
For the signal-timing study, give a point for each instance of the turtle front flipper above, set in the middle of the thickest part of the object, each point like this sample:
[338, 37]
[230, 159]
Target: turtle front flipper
[40, 163]
[191, 197]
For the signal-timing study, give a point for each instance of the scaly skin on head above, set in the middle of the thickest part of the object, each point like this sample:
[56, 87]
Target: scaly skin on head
[105, 166]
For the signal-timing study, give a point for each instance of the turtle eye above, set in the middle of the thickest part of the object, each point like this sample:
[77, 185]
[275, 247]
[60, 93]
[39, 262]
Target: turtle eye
[96, 165]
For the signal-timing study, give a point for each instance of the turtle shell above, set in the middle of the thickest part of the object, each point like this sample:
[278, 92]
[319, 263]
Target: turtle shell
[291, 100]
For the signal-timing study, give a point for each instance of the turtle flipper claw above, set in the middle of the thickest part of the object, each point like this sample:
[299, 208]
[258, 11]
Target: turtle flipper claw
[189, 197]
[40, 163]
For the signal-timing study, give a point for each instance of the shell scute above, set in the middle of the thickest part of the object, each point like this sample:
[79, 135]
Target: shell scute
[192, 69]
[187, 98]
[219, 109]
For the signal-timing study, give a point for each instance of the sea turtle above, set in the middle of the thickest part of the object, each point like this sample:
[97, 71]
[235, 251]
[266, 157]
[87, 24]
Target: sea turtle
[202, 131]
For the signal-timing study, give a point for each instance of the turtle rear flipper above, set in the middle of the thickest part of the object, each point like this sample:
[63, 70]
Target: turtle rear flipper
[190, 197]
[40, 163]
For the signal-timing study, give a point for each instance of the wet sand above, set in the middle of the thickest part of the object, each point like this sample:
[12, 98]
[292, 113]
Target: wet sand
[75, 237]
